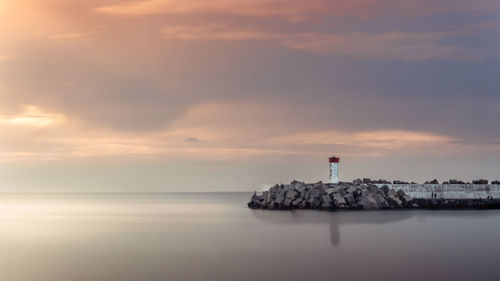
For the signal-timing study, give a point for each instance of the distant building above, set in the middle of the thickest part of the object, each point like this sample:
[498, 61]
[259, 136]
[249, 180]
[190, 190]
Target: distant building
[334, 169]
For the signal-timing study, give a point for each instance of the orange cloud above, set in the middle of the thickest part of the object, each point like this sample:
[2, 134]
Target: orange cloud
[215, 32]
[224, 131]
[293, 10]
[72, 36]
[389, 139]
[32, 116]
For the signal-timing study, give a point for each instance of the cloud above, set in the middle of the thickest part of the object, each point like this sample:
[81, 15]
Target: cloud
[410, 46]
[35, 135]
[387, 139]
[233, 66]
[292, 10]
[216, 32]
[72, 36]
[192, 139]
[295, 10]
[32, 116]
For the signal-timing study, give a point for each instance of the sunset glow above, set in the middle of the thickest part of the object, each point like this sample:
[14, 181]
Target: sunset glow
[235, 84]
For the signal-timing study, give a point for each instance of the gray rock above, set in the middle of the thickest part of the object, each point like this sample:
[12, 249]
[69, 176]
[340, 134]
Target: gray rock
[330, 190]
[315, 194]
[265, 198]
[272, 205]
[399, 182]
[368, 202]
[301, 189]
[304, 204]
[357, 181]
[316, 203]
[296, 202]
[381, 201]
[287, 203]
[326, 198]
[292, 194]
[480, 181]
[400, 193]
[338, 199]
[394, 201]
[349, 198]
[326, 202]
[307, 194]
[351, 189]
[385, 189]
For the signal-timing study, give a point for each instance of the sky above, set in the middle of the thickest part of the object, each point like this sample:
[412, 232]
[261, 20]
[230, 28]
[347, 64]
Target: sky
[236, 95]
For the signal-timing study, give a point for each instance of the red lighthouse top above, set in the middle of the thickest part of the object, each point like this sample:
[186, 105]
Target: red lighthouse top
[334, 159]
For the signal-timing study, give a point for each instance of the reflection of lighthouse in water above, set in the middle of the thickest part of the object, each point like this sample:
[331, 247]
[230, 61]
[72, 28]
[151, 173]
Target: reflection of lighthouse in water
[334, 169]
[333, 219]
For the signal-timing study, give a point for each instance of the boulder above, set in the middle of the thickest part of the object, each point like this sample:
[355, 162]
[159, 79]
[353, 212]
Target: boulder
[385, 189]
[357, 181]
[349, 198]
[400, 193]
[480, 181]
[381, 201]
[351, 189]
[338, 199]
[326, 202]
[304, 204]
[255, 202]
[265, 197]
[301, 189]
[307, 194]
[279, 199]
[394, 201]
[381, 181]
[287, 203]
[296, 202]
[316, 203]
[368, 201]
[399, 182]
[315, 194]
[331, 190]
[295, 183]
[272, 205]
[292, 194]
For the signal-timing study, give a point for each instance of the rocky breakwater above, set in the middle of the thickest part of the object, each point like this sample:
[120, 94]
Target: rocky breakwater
[299, 195]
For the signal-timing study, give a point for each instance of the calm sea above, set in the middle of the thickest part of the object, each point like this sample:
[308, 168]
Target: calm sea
[214, 236]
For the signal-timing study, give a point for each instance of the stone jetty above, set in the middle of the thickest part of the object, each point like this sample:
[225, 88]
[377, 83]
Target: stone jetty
[355, 195]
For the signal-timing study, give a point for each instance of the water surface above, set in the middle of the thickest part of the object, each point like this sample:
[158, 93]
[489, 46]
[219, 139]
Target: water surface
[213, 236]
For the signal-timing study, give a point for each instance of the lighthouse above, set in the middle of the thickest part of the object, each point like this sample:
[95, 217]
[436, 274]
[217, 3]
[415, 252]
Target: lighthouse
[334, 169]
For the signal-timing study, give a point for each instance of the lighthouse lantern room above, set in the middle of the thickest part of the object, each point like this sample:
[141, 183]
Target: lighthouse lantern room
[334, 169]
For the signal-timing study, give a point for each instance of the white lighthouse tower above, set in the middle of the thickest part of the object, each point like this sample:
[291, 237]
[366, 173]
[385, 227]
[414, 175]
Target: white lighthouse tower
[334, 169]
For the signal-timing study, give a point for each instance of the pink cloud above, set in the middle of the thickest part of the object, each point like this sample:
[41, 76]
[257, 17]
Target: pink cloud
[410, 46]
[296, 10]
[293, 10]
